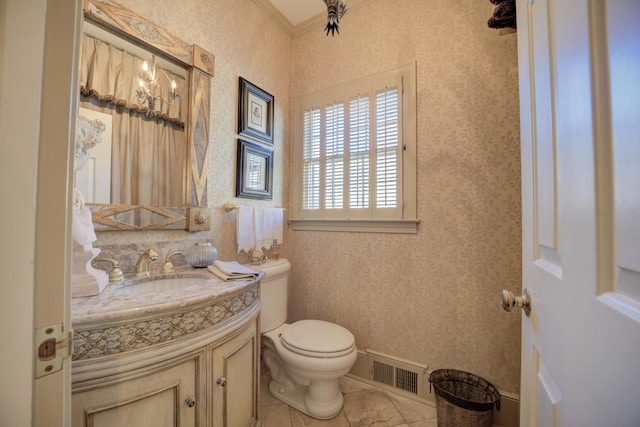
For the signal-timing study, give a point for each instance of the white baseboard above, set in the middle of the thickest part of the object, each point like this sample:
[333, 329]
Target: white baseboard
[508, 416]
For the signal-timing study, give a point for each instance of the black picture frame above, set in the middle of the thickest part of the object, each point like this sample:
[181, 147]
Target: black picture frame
[255, 112]
[254, 171]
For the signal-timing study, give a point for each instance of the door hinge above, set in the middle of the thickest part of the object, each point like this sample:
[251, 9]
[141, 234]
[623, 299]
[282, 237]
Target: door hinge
[53, 345]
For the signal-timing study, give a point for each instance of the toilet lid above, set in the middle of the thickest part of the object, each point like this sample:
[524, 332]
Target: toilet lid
[317, 338]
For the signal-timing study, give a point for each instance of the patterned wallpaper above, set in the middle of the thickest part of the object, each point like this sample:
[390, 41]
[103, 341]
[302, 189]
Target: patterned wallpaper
[247, 43]
[432, 297]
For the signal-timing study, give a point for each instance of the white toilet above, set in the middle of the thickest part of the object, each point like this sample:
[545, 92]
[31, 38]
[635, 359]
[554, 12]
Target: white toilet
[306, 358]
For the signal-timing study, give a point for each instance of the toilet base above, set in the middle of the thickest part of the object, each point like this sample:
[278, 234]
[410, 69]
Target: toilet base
[322, 399]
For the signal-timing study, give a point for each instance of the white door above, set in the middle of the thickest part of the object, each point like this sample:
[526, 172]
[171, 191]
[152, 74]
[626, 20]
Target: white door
[37, 94]
[579, 63]
[52, 389]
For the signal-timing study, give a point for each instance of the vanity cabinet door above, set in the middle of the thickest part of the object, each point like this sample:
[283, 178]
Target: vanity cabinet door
[157, 396]
[235, 380]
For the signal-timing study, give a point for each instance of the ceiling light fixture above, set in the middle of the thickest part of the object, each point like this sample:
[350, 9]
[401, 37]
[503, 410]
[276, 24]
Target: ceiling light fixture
[335, 11]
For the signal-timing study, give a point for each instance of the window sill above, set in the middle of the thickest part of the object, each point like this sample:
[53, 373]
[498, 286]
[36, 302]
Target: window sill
[400, 226]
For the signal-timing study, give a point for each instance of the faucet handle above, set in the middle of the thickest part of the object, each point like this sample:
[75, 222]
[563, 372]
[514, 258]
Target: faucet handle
[167, 267]
[115, 275]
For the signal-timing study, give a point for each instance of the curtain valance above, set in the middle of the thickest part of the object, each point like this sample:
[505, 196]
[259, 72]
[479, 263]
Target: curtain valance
[110, 74]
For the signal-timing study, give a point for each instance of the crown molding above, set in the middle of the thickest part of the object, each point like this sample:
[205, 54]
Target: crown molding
[315, 22]
[275, 14]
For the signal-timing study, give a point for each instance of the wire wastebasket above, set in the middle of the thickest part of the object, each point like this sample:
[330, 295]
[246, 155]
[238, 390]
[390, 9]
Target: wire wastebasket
[463, 399]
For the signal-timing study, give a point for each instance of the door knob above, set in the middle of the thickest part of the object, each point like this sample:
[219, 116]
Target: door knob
[511, 302]
[222, 381]
[190, 402]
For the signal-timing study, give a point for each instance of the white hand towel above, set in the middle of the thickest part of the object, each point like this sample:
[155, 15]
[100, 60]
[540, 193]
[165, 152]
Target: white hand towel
[245, 229]
[268, 226]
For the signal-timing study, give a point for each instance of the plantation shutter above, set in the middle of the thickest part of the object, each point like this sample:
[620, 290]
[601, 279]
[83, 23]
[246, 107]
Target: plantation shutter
[352, 151]
[387, 145]
[359, 152]
[311, 160]
[334, 175]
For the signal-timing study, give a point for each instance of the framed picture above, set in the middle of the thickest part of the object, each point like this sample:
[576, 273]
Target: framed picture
[255, 113]
[254, 171]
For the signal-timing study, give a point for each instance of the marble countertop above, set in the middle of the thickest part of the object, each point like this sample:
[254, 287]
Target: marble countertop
[116, 302]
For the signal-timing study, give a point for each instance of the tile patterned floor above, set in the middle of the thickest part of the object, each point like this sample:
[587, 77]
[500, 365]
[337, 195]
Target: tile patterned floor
[364, 405]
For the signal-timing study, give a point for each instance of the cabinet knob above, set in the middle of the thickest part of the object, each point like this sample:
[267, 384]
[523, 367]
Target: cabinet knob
[222, 381]
[190, 402]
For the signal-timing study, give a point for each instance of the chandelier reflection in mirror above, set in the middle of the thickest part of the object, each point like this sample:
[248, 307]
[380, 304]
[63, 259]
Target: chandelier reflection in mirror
[149, 87]
[335, 11]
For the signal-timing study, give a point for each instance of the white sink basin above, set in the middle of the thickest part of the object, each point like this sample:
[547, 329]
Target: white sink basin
[159, 285]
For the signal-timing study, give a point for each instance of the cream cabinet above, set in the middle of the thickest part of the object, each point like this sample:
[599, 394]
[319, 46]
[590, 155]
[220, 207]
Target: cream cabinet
[166, 395]
[202, 370]
[235, 379]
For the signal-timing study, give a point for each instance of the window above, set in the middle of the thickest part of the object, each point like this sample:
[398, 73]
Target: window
[354, 166]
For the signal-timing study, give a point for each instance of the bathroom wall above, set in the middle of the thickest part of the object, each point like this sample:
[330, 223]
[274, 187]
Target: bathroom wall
[432, 297]
[247, 43]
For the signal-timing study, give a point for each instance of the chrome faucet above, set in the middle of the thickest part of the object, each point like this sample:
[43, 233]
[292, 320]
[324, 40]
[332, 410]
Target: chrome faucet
[142, 266]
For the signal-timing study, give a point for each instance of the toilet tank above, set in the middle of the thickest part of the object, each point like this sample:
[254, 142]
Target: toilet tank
[273, 293]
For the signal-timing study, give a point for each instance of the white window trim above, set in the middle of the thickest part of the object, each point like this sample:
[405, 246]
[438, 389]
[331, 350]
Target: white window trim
[409, 222]
[397, 226]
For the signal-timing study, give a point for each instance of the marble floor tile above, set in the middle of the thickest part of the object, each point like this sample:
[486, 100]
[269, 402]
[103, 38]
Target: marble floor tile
[277, 415]
[412, 410]
[298, 419]
[371, 408]
[425, 423]
[350, 385]
[364, 405]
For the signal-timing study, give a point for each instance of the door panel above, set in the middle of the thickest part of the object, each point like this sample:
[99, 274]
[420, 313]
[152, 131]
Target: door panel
[547, 395]
[235, 380]
[544, 143]
[622, 39]
[150, 398]
[579, 64]
[155, 409]
[239, 401]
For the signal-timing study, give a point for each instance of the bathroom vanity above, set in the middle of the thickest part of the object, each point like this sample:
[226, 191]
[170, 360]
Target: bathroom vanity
[179, 350]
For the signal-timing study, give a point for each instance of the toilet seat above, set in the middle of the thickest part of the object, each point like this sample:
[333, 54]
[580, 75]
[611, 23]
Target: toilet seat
[317, 338]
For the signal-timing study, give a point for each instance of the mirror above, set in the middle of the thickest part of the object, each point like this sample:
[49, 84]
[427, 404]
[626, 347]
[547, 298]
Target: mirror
[152, 171]
[141, 159]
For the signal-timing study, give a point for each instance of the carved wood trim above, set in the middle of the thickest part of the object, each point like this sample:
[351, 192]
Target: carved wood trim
[203, 60]
[111, 217]
[132, 25]
[201, 64]
[200, 126]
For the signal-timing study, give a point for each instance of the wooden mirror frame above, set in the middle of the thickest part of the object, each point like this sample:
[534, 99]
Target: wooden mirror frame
[195, 215]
